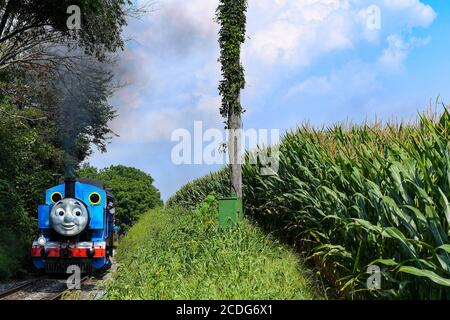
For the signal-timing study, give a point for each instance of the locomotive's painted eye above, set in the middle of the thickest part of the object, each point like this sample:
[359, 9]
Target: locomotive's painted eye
[77, 212]
[60, 212]
[94, 198]
[55, 197]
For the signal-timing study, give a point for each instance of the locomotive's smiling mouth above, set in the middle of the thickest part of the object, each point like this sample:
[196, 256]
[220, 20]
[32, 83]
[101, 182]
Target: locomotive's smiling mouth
[68, 226]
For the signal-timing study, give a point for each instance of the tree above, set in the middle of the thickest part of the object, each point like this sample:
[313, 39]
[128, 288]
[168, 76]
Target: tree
[231, 16]
[32, 30]
[27, 161]
[15, 231]
[133, 189]
[74, 101]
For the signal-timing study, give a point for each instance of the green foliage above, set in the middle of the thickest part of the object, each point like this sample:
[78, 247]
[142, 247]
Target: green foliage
[74, 105]
[15, 231]
[33, 24]
[359, 196]
[175, 253]
[191, 194]
[27, 161]
[231, 16]
[133, 189]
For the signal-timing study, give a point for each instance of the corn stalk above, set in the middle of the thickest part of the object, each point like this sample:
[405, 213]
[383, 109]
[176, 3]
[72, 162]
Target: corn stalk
[350, 198]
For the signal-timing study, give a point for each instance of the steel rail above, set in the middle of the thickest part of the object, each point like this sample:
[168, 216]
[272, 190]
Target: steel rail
[19, 287]
[60, 294]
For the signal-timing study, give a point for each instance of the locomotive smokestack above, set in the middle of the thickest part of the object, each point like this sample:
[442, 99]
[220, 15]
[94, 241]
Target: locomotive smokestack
[70, 187]
[56, 177]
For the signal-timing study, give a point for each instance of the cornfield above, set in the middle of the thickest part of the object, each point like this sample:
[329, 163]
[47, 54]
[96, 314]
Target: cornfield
[353, 197]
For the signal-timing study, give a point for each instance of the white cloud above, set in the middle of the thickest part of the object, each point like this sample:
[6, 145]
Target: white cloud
[295, 32]
[313, 85]
[414, 13]
[150, 125]
[397, 51]
[350, 80]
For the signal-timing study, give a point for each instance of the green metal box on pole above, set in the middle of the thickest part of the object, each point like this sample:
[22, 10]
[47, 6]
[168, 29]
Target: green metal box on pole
[230, 211]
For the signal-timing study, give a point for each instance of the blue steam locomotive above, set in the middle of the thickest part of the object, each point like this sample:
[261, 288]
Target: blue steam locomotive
[77, 226]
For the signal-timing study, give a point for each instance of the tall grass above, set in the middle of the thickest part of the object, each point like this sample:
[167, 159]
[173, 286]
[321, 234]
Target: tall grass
[175, 253]
[358, 196]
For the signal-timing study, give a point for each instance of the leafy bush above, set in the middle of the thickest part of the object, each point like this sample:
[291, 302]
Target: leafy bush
[360, 196]
[176, 253]
[193, 193]
[15, 231]
[27, 161]
[133, 189]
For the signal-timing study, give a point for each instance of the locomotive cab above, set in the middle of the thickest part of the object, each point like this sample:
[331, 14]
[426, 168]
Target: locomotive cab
[77, 227]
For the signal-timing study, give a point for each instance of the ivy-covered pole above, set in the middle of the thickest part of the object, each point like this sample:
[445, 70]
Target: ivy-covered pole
[231, 16]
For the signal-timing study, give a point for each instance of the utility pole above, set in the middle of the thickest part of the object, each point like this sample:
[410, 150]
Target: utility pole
[231, 16]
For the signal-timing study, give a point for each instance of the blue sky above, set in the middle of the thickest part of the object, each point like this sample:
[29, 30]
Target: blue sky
[305, 60]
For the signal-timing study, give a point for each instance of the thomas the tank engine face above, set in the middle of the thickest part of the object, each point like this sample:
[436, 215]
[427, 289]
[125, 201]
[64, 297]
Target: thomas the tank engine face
[69, 217]
[77, 227]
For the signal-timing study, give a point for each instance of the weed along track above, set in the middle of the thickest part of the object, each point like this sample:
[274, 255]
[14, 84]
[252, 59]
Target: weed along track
[178, 253]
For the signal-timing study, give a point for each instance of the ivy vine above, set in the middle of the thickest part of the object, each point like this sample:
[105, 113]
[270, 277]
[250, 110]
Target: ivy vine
[231, 16]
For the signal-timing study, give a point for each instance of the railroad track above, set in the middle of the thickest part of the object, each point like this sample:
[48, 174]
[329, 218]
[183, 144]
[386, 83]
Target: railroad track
[59, 295]
[41, 288]
[21, 286]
